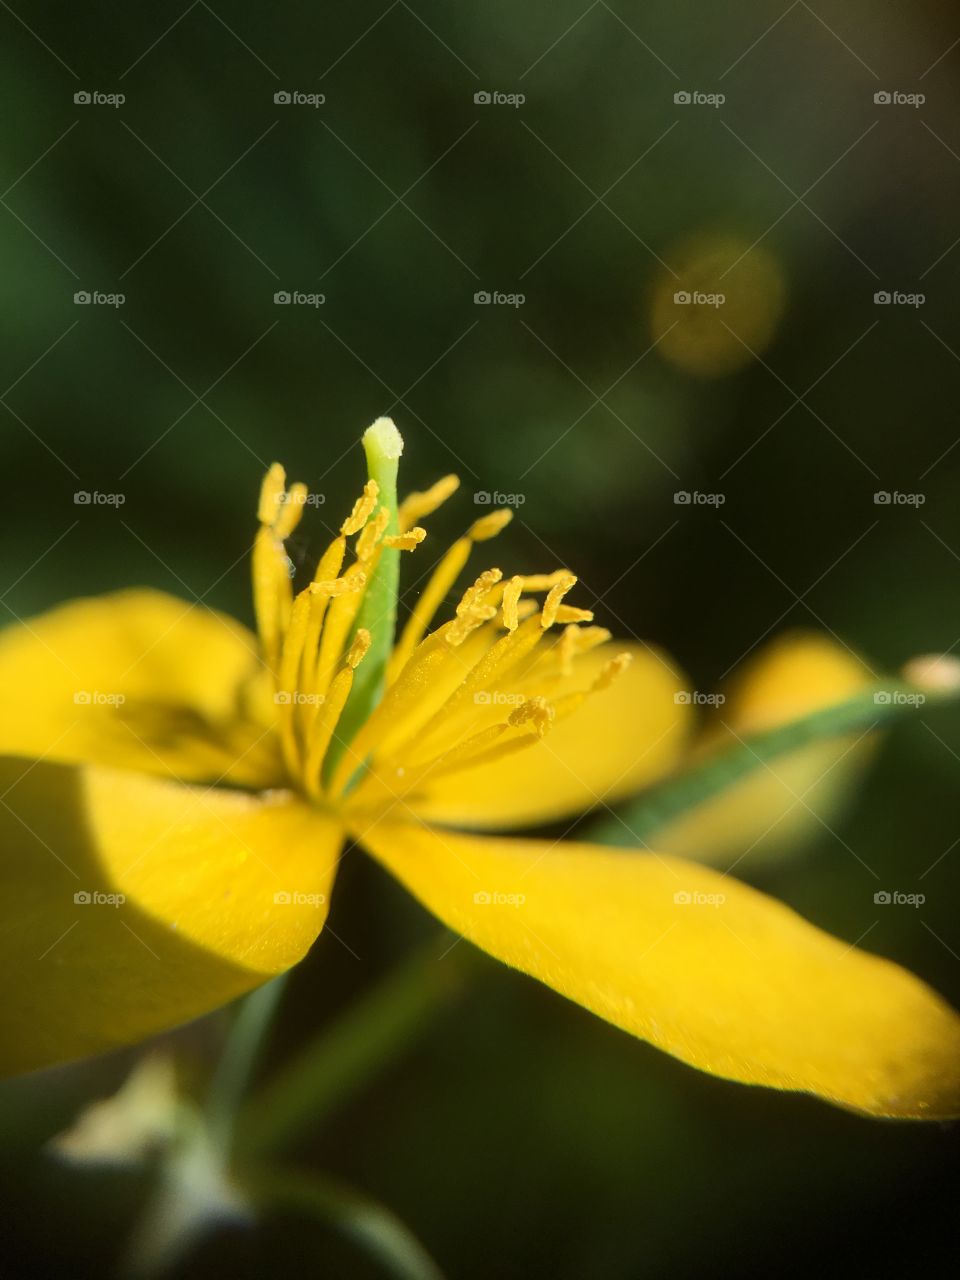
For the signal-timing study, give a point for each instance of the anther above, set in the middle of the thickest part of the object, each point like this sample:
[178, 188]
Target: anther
[362, 509]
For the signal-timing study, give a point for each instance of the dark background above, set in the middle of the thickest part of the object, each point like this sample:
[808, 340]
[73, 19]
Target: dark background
[518, 1136]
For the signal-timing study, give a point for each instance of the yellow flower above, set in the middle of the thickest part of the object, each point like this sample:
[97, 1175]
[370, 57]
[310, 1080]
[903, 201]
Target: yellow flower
[176, 796]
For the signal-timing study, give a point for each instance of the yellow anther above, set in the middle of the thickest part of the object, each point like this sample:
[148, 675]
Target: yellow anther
[536, 710]
[358, 649]
[551, 606]
[271, 493]
[417, 506]
[511, 599]
[544, 581]
[353, 580]
[611, 670]
[473, 597]
[362, 509]
[570, 613]
[576, 640]
[331, 562]
[462, 626]
[290, 509]
[489, 526]
[371, 534]
[406, 541]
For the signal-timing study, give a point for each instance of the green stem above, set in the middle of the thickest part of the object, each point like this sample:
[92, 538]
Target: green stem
[239, 1059]
[345, 1056]
[370, 1224]
[383, 445]
[874, 706]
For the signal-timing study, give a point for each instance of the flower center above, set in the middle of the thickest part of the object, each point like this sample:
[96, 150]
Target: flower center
[362, 712]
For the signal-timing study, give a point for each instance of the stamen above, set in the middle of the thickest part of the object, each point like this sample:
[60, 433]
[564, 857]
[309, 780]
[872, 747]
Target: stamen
[406, 541]
[511, 599]
[362, 509]
[473, 611]
[290, 510]
[536, 710]
[417, 506]
[358, 649]
[576, 640]
[272, 488]
[440, 582]
[611, 671]
[489, 526]
[570, 613]
[287, 679]
[551, 606]
[371, 534]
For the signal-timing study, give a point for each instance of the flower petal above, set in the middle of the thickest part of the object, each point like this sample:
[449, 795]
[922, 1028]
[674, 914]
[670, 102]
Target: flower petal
[621, 739]
[132, 904]
[719, 975]
[138, 679]
[772, 811]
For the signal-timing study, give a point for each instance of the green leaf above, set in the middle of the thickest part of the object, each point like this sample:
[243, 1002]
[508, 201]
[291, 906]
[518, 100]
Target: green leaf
[875, 706]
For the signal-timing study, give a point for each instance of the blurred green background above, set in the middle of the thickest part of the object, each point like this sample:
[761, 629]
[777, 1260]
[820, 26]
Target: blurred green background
[517, 1136]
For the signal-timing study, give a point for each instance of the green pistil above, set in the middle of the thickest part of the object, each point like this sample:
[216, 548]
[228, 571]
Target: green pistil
[383, 445]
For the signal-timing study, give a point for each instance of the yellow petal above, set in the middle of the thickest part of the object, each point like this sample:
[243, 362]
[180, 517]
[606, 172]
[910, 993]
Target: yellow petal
[131, 904]
[792, 797]
[138, 679]
[719, 975]
[620, 739]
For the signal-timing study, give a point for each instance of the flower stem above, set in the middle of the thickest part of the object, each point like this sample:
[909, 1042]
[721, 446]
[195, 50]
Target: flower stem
[239, 1059]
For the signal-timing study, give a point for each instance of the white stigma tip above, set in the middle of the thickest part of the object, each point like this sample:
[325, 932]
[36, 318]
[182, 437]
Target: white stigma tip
[384, 439]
